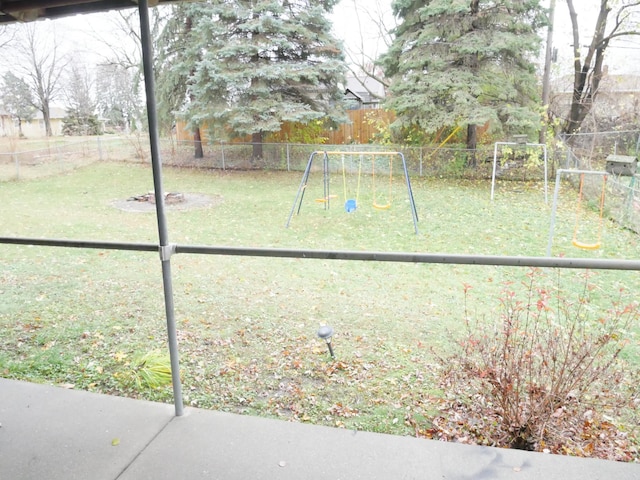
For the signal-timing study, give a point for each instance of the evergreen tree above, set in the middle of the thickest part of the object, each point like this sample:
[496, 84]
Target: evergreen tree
[254, 64]
[17, 99]
[178, 54]
[465, 62]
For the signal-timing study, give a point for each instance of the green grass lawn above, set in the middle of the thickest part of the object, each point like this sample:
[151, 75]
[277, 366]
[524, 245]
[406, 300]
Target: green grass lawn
[247, 326]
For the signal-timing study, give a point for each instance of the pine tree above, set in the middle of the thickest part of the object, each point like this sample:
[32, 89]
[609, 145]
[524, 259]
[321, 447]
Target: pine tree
[178, 54]
[17, 99]
[255, 64]
[465, 62]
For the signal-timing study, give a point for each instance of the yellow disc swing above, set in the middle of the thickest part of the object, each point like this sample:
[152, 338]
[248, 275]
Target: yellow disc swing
[381, 206]
[577, 243]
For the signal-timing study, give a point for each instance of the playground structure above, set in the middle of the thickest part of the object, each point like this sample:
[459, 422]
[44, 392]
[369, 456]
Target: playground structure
[382, 198]
[575, 240]
[521, 143]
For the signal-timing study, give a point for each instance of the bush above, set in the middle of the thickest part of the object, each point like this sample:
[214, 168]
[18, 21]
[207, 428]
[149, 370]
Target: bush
[549, 376]
[74, 124]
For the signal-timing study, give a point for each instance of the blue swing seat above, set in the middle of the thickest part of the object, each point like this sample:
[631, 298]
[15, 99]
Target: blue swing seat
[350, 205]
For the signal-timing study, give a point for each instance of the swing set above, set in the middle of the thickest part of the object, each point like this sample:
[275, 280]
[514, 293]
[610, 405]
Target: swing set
[381, 200]
[575, 241]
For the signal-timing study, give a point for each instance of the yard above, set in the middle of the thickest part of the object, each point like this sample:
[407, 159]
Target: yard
[94, 320]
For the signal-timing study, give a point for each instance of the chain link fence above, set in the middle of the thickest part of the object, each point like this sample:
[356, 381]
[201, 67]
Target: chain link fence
[592, 151]
[518, 163]
[425, 161]
[59, 156]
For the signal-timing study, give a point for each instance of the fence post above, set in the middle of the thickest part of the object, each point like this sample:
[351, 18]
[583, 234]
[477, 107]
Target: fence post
[288, 160]
[222, 148]
[420, 161]
[17, 162]
[99, 148]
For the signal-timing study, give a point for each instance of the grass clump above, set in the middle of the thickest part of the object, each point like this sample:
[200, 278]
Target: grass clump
[548, 375]
[150, 370]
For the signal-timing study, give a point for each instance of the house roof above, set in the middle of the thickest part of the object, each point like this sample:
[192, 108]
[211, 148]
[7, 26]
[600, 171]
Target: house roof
[367, 89]
[611, 83]
[29, 10]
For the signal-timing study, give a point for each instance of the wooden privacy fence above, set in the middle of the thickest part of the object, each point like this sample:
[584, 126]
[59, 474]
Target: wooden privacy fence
[363, 127]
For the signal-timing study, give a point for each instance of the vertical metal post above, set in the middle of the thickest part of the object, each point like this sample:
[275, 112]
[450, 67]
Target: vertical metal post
[325, 167]
[301, 189]
[546, 173]
[222, 149]
[412, 203]
[288, 159]
[554, 208]
[493, 172]
[99, 149]
[156, 164]
[17, 162]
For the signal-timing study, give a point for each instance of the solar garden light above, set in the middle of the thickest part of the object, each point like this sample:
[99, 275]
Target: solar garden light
[326, 332]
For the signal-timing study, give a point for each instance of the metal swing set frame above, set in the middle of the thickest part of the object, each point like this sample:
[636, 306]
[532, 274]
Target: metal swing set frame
[350, 204]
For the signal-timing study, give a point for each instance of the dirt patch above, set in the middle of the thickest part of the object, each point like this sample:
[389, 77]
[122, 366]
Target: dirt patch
[189, 201]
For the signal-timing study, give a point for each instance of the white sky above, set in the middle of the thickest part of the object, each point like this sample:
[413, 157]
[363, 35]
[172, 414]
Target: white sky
[350, 18]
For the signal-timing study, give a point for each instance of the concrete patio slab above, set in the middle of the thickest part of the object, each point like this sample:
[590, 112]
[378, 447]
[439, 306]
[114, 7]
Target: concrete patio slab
[215, 445]
[53, 433]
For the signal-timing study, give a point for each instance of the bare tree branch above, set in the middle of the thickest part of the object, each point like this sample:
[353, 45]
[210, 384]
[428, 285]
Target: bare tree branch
[43, 67]
[588, 72]
[362, 59]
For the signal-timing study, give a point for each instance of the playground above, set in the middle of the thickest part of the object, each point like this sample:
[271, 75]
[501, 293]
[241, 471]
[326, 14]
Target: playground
[247, 326]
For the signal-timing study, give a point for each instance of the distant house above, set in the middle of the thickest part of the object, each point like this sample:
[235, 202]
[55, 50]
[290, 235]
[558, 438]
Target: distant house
[617, 102]
[35, 126]
[363, 93]
[6, 123]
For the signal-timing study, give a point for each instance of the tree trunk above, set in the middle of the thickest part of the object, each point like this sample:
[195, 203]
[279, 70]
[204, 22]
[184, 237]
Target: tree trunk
[546, 78]
[46, 116]
[588, 73]
[256, 140]
[197, 143]
[472, 143]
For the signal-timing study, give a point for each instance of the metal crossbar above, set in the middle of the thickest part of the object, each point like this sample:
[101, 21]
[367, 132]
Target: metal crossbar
[397, 257]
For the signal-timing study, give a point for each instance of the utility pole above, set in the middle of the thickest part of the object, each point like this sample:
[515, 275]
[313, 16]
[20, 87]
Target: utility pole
[547, 71]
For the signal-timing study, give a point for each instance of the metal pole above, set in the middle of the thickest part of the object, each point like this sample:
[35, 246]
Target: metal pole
[165, 249]
[553, 213]
[325, 166]
[17, 162]
[547, 70]
[412, 203]
[288, 159]
[344, 255]
[546, 181]
[493, 174]
[301, 189]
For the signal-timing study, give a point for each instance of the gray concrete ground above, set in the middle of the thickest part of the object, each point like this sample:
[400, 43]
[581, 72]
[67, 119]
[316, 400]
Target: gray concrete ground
[52, 433]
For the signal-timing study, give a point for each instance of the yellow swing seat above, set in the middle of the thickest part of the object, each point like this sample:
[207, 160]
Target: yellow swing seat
[326, 199]
[381, 207]
[586, 246]
[577, 243]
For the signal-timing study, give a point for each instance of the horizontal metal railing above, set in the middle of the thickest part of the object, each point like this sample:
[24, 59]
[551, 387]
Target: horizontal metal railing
[371, 256]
